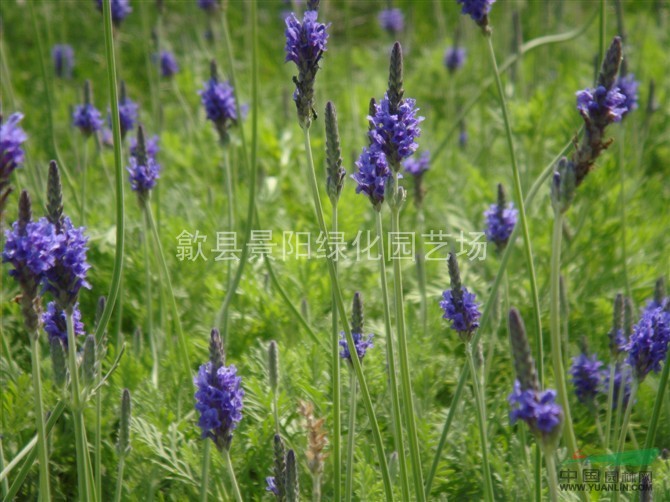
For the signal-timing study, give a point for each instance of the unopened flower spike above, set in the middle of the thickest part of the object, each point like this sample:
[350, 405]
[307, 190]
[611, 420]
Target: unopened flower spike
[58, 363]
[395, 90]
[617, 339]
[54, 196]
[89, 360]
[292, 478]
[563, 185]
[459, 305]
[273, 365]
[361, 342]
[277, 484]
[524, 363]
[335, 171]
[123, 444]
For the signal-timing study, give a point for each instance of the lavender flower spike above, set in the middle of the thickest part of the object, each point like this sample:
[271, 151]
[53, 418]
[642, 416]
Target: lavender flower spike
[628, 88]
[361, 343]
[11, 153]
[587, 375]
[478, 10]
[454, 58]
[128, 111]
[218, 397]
[500, 220]
[143, 169]
[87, 117]
[459, 304]
[392, 20]
[372, 175]
[305, 44]
[120, 10]
[209, 6]
[55, 325]
[648, 345]
[63, 59]
[218, 98]
[168, 64]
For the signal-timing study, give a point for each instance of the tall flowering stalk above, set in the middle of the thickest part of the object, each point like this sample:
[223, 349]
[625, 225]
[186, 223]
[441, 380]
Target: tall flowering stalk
[29, 248]
[529, 403]
[462, 311]
[305, 45]
[219, 404]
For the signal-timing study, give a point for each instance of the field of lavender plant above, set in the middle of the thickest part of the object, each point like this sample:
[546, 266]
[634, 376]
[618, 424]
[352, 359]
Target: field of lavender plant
[334, 250]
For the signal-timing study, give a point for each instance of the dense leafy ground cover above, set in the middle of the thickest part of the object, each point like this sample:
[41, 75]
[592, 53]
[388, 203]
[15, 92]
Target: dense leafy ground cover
[615, 235]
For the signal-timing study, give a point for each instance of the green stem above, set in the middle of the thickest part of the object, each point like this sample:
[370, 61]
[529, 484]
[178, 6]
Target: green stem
[183, 348]
[538, 473]
[481, 422]
[551, 477]
[233, 479]
[78, 414]
[98, 431]
[149, 302]
[619, 406]
[610, 405]
[622, 210]
[118, 492]
[601, 29]
[118, 178]
[336, 381]
[250, 164]
[365, 393]
[486, 314]
[518, 194]
[658, 404]
[555, 332]
[42, 446]
[626, 421]
[204, 479]
[390, 358]
[421, 270]
[352, 436]
[84, 169]
[405, 382]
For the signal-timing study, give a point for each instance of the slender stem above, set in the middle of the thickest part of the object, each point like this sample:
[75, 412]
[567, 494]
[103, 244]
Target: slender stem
[98, 431]
[620, 405]
[349, 490]
[84, 169]
[77, 414]
[335, 364]
[250, 163]
[421, 270]
[481, 421]
[118, 492]
[183, 348]
[555, 331]
[622, 211]
[551, 477]
[365, 393]
[626, 421]
[233, 479]
[149, 302]
[601, 29]
[610, 405]
[42, 446]
[538, 473]
[118, 178]
[405, 381]
[486, 314]
[658, 403]
[390, 358]
[204, 479]
[518, 194]
[230, 195]
[4, 484]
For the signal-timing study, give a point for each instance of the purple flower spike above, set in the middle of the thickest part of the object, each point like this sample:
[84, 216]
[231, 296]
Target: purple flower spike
[151, 146]
[168, 64]
[549, 414]
[628, 87]
[602, 106]
[120, 10]
[271, 485]
[143, 177]
[454, 58]
[128, 111]
[11, 139]
[416, 167]
[538, 409]
[395, 134]
[461, 310]
[361, 343]
[219, 402]
[392, 20]
[478, 10]
[648, 345]
[373, 172]
[218, 98]
[306, 41]
[88, 119]
[55, 325]
[587, 375]
[208, 5]
[63, 59]
[30, 250]
[500, 222]
[68, 275]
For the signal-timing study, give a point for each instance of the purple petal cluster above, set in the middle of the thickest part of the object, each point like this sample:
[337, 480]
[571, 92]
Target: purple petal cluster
[31, 250]
[361, 342]
[218, 98]
[208, 5]
[128, 111]
[168, 64]
[87, 118]
[55, 325]
[11, 139]
[628, 87]
[648, 345]
[63, 59]
[602, 106]
[392, 20]
[454, 58]
[271, 485]
[395, 134]
[462, 310]
[219, 402]
[476, 9]
[538, 409]
[120, 10]
[416, 167]
[151, 147]
[373, 172]
[306, 41]
[587, 376]
[143, 176]
[500, 222]
[68, 275]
